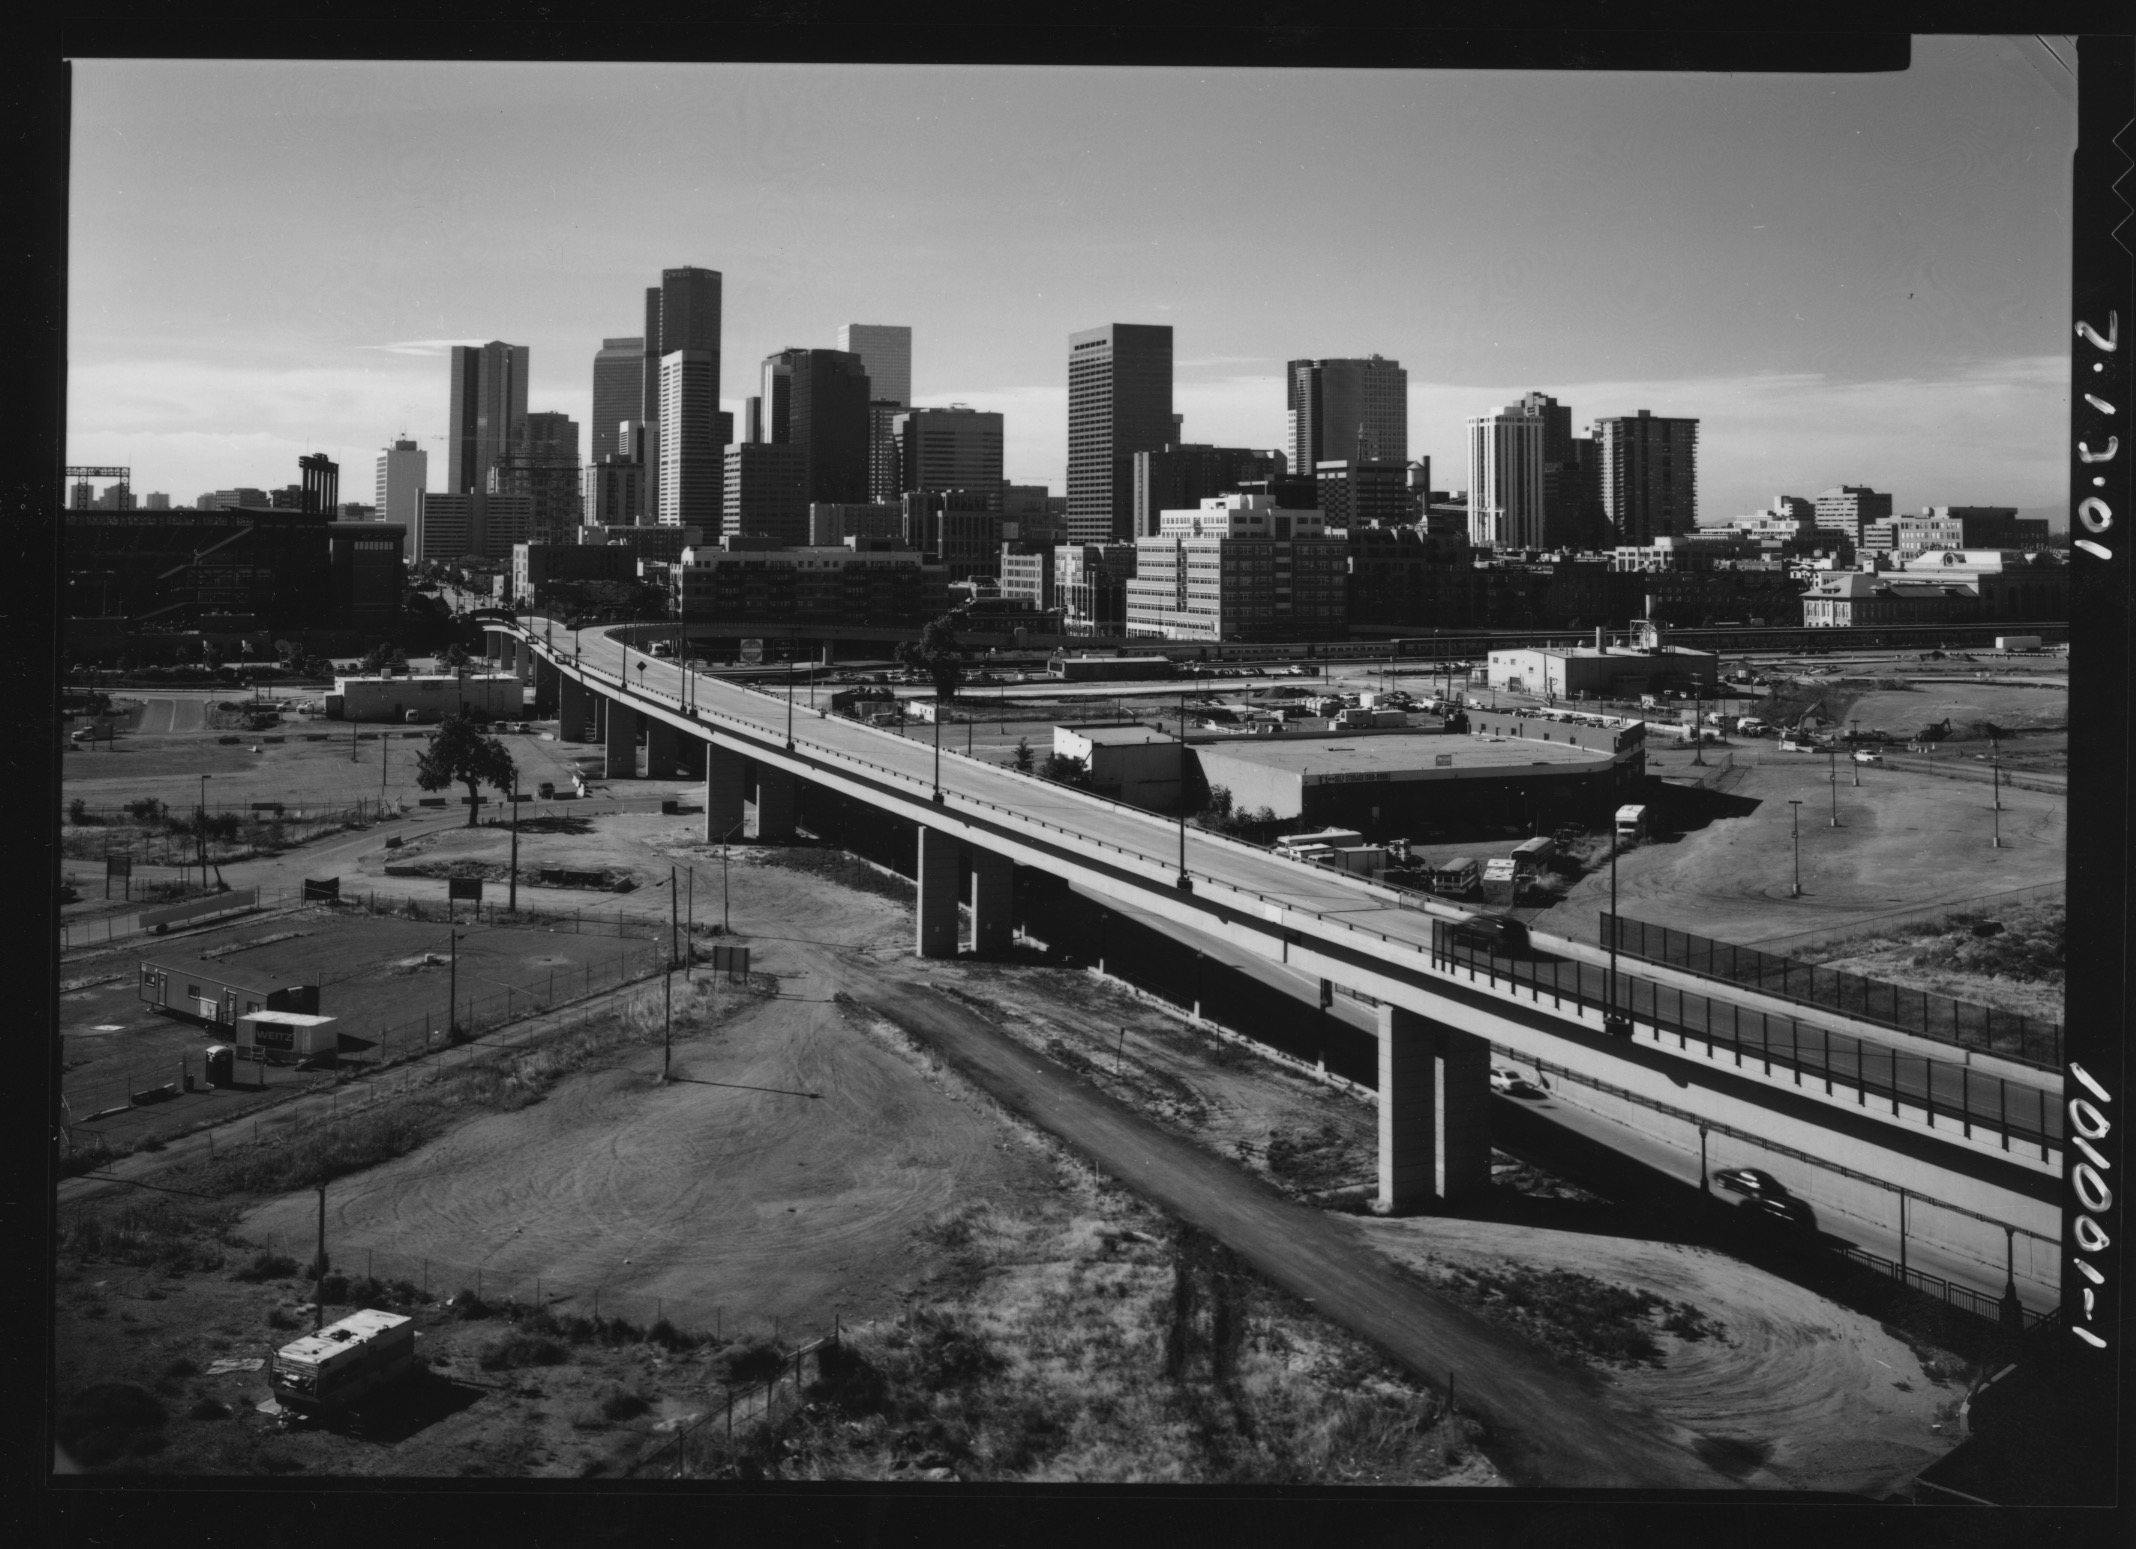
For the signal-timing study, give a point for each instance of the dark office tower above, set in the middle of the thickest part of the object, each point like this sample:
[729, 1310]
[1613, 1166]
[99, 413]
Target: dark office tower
[489, 399]
[1346, 410]
[753, 419]
[681, 313]
[618, 391]
[817, 400]
[1119, 403]
[1648, 475]
[649, 486]
[320, 478]
[1179, 478]
[542, 463]
[1565, 518]
[952, 448]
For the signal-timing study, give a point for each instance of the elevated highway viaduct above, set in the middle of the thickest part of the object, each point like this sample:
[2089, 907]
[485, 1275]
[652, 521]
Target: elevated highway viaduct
[1972, 1139]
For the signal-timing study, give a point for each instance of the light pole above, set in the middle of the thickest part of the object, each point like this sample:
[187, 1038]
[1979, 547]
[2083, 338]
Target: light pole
[790, 715]
[1613, 1023]
[1994, 773]
[1698, 705]
[1185, 882]
[1832, 759]
[726, 925]
[452, 985]
[938, 744]
[1795, 805]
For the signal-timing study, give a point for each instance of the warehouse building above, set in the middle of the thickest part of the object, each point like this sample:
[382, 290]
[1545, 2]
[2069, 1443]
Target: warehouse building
[1404, 784]
[426, 697]
[1128, 761]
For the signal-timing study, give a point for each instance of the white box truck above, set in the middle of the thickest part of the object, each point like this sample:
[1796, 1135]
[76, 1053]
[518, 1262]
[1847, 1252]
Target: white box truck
[2017, 642]
[1631, 824]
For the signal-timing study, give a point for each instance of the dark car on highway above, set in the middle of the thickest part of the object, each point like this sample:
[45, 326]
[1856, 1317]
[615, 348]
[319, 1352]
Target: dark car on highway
[1750, 1181]
[1500, 934]
[1766, 1200]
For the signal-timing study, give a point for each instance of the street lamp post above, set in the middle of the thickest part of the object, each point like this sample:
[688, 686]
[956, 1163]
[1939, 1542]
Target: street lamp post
[1184, 881]
[790, 711]
[1795, 806]
[1832, 759]
[1613, 1023]
[512, 897]
[1994, 773]
[938, 744]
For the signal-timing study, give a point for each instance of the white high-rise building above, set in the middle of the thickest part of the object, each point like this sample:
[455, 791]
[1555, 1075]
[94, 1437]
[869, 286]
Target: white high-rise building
[693, 440]
[885, 351]
[403, 480]
[1506, 478]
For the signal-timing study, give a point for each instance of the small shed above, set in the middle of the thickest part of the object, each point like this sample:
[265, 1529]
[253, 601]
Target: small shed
[285, 1037]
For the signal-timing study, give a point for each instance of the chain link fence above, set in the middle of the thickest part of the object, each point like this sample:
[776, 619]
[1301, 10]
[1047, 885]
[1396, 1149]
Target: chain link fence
[1921, 1012]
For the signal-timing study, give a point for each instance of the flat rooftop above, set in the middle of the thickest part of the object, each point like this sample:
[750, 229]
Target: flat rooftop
[1387, 753]
[1115, 736]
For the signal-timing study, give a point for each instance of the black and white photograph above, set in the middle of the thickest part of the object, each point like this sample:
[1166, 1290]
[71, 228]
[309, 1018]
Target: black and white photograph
[974, 778]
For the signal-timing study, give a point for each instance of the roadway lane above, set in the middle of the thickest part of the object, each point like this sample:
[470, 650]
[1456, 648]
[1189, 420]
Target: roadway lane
[1152, 839]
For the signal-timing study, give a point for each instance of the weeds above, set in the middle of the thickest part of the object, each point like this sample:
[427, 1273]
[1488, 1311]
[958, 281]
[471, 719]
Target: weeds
[517, 1350]
[840, 869]
[1580, 1319]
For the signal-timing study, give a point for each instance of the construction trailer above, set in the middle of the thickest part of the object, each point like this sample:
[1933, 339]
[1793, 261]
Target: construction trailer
[286, 1038]
[186, 990]
[343, 1362]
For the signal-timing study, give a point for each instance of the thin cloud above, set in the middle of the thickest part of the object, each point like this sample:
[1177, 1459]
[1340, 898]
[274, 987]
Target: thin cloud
[423, 347]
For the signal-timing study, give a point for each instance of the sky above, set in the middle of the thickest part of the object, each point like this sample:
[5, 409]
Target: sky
[1848, 279]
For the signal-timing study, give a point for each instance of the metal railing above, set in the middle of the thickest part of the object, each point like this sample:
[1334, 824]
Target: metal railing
[698, 1442]
[1949, 1292]
[1920, 1012]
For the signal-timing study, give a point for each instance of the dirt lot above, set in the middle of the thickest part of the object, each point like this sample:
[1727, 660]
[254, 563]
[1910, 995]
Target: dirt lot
[375, 974]
[1904, 840]
[809, 1165]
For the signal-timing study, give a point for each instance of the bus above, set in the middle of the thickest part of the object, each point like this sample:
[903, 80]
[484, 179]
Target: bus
[343, 1362]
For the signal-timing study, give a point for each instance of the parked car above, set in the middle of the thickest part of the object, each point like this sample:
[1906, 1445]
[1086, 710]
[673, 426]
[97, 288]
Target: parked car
[1496, 933]
[1512, 1085]
[546, 790]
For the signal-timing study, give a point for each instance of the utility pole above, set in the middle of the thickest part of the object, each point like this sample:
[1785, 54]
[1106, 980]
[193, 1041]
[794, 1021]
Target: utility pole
[938, 744]
[689, 919]
[319, 1290]
[1795, 806]
[790, 717]
[512, 902]
[452, 984]
[674, 919]
[1617, 1026]
[1833, 760]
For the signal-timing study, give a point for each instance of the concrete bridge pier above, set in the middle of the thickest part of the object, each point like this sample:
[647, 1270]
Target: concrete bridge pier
[523, 660]
[993, 903]
[495, 642]
[723, 789]
[574, 709]
[663, 749]
[619, 741]
[690, 757]
[546, 678]
[938, 894]
[774, 814]
[1434, 1112]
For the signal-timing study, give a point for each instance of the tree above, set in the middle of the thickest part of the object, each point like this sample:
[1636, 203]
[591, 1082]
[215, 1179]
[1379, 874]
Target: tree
[210, 655]
[937, 654]
[455, 656]
[1065, 770]
[460, 752]
[1023, 758]
[379, 656]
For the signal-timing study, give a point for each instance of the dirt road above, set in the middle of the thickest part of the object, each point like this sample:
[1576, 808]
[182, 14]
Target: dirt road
[1550, 1428]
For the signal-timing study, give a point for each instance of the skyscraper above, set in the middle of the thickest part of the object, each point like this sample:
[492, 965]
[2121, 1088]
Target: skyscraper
[1346, 409]
[542, 463]
[1506, 478]
[818, 400]
[489, 399]
[693, 441]
[403, 479]
[1119, 403]
[885, 351]
[953, 448]
[682, 312]
[1184, 475]
[1649, 475]
[1569, 514]
[618, 391]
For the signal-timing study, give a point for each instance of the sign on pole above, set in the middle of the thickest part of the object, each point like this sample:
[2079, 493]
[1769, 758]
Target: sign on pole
[459, 887]
[753, 652]
[317, 891]
[118, 866]
[733, 961]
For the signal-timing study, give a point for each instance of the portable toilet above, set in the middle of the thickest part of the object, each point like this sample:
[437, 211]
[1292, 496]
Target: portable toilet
[221, 1065]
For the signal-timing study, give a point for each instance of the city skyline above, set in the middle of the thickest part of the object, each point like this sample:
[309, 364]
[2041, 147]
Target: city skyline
[1854, 280]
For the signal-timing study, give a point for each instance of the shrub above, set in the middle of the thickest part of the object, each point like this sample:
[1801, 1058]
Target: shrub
[515, 1349]
[748, 1360]
[208, 1409]
[184, 1366]
[623, 1406]
[266, 1266]
[280, 1318]
[334, 1288]
[78, 811]
[466, 1305]
[665, 1333]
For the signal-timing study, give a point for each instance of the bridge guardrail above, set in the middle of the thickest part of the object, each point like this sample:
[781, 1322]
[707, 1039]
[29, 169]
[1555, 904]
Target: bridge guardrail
[2030, 1118]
